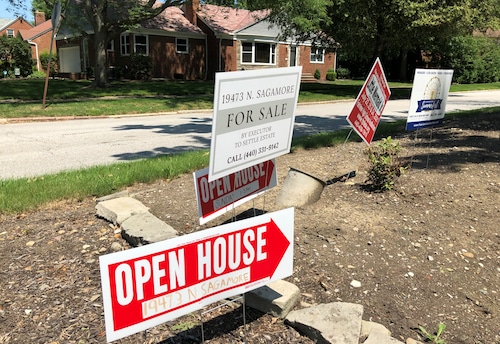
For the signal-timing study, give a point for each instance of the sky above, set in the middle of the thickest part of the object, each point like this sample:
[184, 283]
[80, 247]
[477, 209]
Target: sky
[8, 11]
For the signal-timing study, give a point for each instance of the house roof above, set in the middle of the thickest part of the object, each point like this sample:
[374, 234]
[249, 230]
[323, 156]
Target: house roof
[227, 20]
[262, 28]
[171, 19]
[37, 31]
[6, 22]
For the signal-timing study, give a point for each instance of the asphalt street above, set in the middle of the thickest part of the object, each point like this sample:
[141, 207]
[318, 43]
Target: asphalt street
[37, 148]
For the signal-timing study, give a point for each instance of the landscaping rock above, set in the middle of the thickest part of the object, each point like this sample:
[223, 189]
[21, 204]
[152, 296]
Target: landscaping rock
[145, 228]
[332, 323]
[277, 298]
[117, 210]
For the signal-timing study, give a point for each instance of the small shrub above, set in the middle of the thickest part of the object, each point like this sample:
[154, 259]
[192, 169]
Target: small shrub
[331, 75]
[317, 74]
[385, 165]
[37, 75]
[434, 338]
[141, 66]
[343, 73]
[44, 60]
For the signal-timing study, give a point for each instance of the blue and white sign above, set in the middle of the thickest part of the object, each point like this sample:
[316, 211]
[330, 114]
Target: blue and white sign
[428, 98]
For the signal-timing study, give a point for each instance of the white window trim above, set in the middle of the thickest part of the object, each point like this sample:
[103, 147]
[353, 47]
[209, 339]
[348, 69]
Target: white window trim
[122, 45]
[317, 51]
[112, 45]
[136, 44]
[177, 46]
[272, 53]
[11, 33]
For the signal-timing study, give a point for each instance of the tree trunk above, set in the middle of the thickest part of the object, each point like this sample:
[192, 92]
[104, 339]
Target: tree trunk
[100, 73]
[101, 36]
[403, 65]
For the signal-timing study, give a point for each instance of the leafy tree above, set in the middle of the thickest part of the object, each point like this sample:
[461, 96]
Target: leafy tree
[473, 59]
[15, 53]
[44, 6]
[390, 29]
[227, 3]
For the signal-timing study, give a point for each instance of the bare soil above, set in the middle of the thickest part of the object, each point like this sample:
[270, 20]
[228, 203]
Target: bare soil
[426, 252]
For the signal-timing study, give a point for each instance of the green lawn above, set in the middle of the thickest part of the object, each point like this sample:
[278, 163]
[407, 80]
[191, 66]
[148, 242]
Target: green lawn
[23, 98]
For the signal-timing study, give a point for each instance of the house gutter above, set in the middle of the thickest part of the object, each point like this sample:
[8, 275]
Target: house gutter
[206, 58]
[36, 53]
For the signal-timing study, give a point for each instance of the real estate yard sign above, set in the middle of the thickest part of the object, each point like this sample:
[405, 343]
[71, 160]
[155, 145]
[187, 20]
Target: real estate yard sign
[254, 114]
[371, 101]
[428, 98]
[152, 284]
[217, 197]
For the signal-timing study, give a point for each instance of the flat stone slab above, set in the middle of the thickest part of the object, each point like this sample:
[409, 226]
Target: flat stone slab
[277, 298]
[117, 210]
[331, 323]
[368, 326]
[145, 228]
[379, 337]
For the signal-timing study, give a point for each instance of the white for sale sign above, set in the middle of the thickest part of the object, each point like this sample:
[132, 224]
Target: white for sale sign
[254, 114]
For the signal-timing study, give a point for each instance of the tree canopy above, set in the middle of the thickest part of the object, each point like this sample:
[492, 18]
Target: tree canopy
[389, 29]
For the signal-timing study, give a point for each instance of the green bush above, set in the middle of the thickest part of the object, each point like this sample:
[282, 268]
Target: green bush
[473, 59]
[15, 53]
[141, 66]
[385, 165]
[331, 75]
[44, 60]
[37, 75]
[343, 73]
[317, 74]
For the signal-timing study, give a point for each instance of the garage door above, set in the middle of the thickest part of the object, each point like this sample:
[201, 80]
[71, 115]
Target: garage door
[69, 60]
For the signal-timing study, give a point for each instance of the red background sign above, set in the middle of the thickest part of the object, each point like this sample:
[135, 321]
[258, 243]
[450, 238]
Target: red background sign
[152, 284]
[215, 197]
[371, 101]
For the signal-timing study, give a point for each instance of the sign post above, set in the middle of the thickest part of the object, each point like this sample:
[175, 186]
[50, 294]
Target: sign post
[55, 19]
[152, 284]
[254, 114]
[370, 103]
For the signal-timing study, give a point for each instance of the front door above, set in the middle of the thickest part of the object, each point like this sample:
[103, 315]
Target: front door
[293, 56]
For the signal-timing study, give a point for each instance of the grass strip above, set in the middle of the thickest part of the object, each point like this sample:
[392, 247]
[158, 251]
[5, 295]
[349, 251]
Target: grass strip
[24, 194]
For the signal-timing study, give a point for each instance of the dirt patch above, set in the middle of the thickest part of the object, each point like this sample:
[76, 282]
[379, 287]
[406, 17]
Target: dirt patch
[426, 252]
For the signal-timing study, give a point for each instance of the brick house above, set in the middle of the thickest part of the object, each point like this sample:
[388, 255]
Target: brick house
[196, 41]
[176, 46]
[39, 37]
[245, 40]
[11, 27]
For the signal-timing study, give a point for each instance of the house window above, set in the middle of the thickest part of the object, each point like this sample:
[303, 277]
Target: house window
[10, 33]
[317, 55]
[181, 45]
[141, 44]
[255, 52]
[125, 44]
[111, 46]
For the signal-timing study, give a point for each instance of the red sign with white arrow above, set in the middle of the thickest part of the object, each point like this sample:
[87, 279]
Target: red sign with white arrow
[152, 284]
[217, 197]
